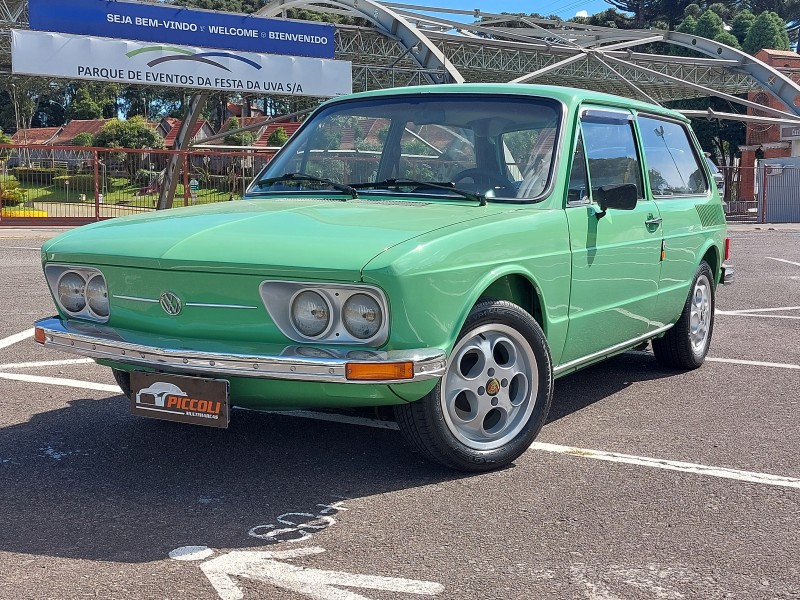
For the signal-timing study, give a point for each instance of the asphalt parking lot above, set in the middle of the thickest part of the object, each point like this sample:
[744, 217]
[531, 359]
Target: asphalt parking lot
[643, 484]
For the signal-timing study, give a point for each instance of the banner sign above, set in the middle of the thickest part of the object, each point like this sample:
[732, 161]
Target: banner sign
[176, 25]
[122, 61]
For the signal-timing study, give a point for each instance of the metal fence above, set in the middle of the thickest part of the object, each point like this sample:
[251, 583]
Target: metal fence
[779, 191]
[69, 185]
[47, 185]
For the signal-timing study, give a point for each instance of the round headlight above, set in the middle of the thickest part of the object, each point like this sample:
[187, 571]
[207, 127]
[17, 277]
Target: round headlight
[71, 289]
[362, 316]
[97, 295]
[311, 315]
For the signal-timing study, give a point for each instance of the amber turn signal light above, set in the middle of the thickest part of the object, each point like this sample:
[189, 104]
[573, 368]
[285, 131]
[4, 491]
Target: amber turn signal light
[379, 371]
[38, 335]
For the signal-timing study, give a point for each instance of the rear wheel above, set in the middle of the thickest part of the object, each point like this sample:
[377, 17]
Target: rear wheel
[686, 345]
[493, 398]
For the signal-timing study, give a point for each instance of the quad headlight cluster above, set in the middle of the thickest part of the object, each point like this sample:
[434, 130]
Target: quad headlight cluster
[80, 291]
[346, 314]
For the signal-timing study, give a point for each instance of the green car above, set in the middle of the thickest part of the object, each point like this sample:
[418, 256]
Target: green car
[448, 251]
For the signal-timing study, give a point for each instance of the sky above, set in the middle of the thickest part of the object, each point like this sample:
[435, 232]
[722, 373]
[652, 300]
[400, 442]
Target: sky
[566, 9]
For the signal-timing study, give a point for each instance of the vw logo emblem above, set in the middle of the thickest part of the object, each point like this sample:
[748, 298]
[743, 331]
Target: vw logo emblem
[170, 303]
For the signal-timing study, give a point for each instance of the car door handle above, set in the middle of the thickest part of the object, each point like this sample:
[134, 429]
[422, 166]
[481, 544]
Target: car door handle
[653, 221]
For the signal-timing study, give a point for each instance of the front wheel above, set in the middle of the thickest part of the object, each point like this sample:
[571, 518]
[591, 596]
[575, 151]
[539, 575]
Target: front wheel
[686, 344]
[493, 398]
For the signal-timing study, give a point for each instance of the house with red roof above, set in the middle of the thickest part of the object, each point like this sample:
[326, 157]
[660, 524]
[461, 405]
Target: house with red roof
[169, 127]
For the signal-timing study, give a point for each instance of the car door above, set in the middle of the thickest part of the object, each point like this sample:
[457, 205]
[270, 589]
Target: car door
[679, 183]
[615, 255]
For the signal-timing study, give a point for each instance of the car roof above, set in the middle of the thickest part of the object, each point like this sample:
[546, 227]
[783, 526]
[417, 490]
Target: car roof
[568, 95]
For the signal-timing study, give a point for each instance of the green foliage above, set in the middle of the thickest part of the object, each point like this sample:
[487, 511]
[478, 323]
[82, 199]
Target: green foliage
[5, 153]
[728, 39]
[10, 191]
[83, 139]
[768, 31]
[709, 25]
[721, 9]
[145, 177]
[742, 24]
[243, 138]
[83, 106]
[693, 10]
[38, 175]
[133, 133]
[79, 184]
[278, 137]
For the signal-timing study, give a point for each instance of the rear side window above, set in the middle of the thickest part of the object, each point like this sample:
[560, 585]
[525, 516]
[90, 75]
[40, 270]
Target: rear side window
[672, 164]
[611, 149]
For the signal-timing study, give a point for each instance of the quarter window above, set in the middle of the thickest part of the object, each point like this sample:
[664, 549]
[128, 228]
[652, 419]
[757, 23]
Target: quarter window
[672, 164]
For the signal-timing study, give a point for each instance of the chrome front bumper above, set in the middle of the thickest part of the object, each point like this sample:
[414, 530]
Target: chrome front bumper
[298, 363]
[727, 273]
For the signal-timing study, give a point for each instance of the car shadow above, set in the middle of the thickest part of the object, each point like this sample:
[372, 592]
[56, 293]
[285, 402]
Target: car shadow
[91, 481]
[594, 384]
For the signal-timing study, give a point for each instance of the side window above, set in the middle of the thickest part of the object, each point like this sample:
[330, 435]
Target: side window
[578, 191]
[611, 149]
[672, 164]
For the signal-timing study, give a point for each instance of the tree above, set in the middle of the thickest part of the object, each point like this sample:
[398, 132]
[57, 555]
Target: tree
[83, 139]
[728, 39]
[723, 10]
[709, 25]
[768, 31]
[693, 10]
[84, 106]
[243, 138]
[133, 133]
[742, 24]
[643, 10]
[278, 137]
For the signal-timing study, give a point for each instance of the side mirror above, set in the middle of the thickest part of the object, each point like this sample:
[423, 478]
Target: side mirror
[622, 196]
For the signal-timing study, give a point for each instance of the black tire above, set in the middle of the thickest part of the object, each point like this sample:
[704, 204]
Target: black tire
[680, 347]
[123, 379]
[506, 390]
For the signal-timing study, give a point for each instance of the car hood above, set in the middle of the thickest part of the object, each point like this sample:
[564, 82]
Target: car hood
[290, 237]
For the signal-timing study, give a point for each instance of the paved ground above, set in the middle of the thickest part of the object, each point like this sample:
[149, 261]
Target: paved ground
[699, 498]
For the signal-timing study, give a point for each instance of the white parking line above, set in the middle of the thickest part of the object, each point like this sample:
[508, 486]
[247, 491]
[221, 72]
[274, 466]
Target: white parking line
[19, 248]
[671, 465]
[756, 363]
[46, 363]
[783, 260]
[643, 461]
[17, 337]
[87, 385]
[757, 310]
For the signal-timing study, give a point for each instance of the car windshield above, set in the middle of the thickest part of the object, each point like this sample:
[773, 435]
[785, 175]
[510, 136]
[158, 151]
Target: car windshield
[437, 145]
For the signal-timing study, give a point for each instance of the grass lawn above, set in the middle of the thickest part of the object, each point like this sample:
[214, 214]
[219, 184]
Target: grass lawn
[126, 195]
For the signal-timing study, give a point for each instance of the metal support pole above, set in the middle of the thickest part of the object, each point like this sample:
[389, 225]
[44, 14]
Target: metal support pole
[181, 143]
[186, 179]
[96, 157]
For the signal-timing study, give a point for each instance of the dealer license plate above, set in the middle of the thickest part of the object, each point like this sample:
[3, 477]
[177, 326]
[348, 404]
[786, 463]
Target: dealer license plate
[194, 400]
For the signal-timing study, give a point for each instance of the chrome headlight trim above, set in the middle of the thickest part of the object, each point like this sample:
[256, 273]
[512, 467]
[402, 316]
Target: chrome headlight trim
[293, 321]
[278, 296]
[55, 272]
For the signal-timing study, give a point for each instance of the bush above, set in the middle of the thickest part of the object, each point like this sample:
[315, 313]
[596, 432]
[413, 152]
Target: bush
[278, 137]
[144, 176]
[82, 184]
[38, 175]
[10, 191]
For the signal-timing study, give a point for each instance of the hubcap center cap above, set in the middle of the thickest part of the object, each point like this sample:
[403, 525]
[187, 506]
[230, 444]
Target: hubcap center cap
[492, 387]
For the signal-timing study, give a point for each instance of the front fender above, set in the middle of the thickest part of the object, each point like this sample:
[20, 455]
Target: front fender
[433, 281]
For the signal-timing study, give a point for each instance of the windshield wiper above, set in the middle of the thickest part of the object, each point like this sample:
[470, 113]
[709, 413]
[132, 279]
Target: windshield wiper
[450, 187]
[304, 177]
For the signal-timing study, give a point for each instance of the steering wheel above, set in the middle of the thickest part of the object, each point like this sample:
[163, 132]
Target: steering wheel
[483, 178]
